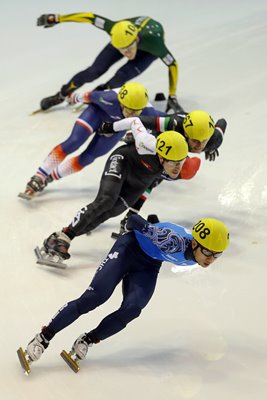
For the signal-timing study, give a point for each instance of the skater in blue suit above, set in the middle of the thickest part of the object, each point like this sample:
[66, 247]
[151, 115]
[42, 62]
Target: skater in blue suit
[135, 260]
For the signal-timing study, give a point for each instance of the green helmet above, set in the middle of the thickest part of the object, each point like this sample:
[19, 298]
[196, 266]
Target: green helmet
[172, 146]
[123, 34]
[198, 125]
[211, 234]
[133, 95]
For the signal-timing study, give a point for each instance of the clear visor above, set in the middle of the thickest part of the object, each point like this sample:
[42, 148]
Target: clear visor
[128, 112]
[209, 253]
[177, 163]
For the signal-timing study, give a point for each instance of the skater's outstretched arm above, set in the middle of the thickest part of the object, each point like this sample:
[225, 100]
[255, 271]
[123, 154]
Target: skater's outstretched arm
[49, 20]
[211, 149]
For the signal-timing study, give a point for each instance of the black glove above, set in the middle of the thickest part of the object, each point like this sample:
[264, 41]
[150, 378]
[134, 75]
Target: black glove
[152, 218]
[172, 122]
[172, 104]
[47, 20]
[211, 155]
[128, 138]
[106, 129]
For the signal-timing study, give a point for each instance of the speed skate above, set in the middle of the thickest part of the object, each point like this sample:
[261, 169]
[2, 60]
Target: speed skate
[24, 360]
[50, 260]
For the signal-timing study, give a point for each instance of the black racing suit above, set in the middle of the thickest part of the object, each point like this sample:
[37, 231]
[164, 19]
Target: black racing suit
[125, 177]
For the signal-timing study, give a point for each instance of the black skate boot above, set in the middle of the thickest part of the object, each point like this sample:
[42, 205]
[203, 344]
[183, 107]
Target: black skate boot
[52, 101]
[78, 351]
[54, 251]
[48, 180]
[58, 244]
[34, 186]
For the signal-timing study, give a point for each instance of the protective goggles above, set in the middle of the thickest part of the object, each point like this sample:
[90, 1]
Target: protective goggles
[174, 163]
[209, 253]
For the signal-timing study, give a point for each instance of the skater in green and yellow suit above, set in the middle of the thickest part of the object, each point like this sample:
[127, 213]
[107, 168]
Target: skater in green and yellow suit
[139, 39]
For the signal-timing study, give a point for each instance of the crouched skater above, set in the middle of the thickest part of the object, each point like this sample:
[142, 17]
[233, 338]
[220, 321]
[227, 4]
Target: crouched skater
[135, 260]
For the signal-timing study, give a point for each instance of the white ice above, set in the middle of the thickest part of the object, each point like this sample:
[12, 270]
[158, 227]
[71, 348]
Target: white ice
[203, 335]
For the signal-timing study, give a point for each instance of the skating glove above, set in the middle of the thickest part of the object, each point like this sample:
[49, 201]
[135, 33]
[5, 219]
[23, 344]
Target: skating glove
[211, 155]
[75, 98]
[173, 104]
[128, 138]
[106, 129]
[152, 218]
[172, 122]
[48, 20]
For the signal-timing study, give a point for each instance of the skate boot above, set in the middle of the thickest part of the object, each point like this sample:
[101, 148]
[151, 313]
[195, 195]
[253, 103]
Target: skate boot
[34, 186]
[78, 351]
[54, 250]
[33, 352]
[48, 180]
[51, 101]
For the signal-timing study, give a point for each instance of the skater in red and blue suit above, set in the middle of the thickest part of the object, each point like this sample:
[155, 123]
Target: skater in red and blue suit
[109, 105]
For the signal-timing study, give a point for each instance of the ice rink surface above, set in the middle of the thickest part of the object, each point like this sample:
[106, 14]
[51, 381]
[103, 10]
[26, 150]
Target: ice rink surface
[203, 335]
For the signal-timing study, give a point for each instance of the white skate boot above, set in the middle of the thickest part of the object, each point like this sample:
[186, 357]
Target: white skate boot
[33, 352]
[78, 352]
[36, 347]
[80, 346]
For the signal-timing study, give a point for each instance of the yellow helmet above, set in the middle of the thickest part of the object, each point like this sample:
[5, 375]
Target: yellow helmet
[172, 146]
[123, 34]
[133, 95]
[211, 234]
[198, 125]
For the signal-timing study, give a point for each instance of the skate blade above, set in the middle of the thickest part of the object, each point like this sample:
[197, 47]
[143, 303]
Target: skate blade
[23, 361]
[37, 111]
[115, 235]
[48, 259]
[72, 363]
[25, 196]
